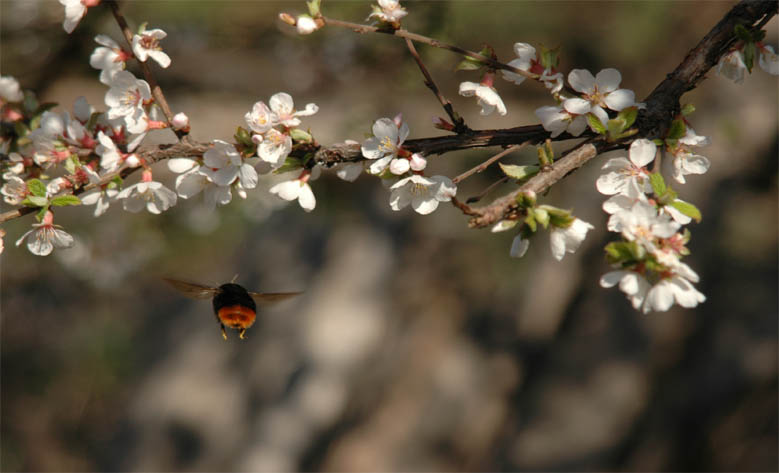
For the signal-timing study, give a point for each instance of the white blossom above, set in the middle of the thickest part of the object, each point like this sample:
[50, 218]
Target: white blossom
[556, 120]
[423, 193]
[643, 224]
[14, 190]
[519, 247]
[274, 148]
[101, 198]
[598, 92]
[769, 61]
[489, 100]
[298, 189]
[732, 66]
[633, 284]
[284, 112]
[147, 45]
[525, 56]
[568, 239]
[74, 12]
[383, 147]
[260, 119]
[629, 176]
[388, 11]
[125, 99]
[349, 171]
[108, 59]
[46, 236]
[10, 91]
[152, 195]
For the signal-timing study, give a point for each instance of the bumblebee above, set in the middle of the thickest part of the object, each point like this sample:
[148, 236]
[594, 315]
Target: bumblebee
[234, 306]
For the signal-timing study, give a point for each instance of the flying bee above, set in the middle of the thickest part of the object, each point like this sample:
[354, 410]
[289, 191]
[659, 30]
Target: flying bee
[234, 306]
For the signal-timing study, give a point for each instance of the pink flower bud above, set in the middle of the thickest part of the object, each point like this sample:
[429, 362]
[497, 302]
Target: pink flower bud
[48, 218]
[146, 176]
[442, 124]
[180, 121]
[417, 162]
[257, 139]
[398, 120]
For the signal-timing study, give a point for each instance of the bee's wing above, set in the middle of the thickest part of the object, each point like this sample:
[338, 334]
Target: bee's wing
[197, 291]
[270, 297]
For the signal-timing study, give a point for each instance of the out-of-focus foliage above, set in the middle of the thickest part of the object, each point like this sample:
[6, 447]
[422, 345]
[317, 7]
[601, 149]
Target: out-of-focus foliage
[419, 345]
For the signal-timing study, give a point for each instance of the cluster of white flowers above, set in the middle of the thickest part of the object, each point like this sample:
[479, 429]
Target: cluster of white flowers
[391, 160]
[648, 260]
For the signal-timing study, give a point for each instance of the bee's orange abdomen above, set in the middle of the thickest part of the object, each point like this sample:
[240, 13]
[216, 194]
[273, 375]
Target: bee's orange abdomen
[237, 316]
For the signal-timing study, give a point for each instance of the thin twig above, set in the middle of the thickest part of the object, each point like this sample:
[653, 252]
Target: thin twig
[480, 195]
[481, 167]
[358, 28]
[156, 91]
[457, 120]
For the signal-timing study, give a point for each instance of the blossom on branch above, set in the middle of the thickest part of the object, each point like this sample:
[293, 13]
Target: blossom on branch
[152, 195]
[75, 11]
[732, 66]
[388, 11]
[423, 193]
[147, 45]
[108, 59]
[568, 239]
[489, 100]
[298, 189]
[386, 144]
[556, 120]
[768, 61]
[10, 90]
[46, 236]
[125, 99]
[526, 54]
[598, 92]
[629, 177]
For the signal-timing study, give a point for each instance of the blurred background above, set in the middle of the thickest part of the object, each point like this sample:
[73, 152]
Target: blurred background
[419, 345]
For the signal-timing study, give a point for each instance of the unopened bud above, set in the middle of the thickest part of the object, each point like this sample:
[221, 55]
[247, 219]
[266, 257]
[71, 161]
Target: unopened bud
[287, 18]
[257, 139]
[132, 161]
[306, 24]
[146, 176]
[418, 162]
[180, 121]
[398, 120]
[442, 124]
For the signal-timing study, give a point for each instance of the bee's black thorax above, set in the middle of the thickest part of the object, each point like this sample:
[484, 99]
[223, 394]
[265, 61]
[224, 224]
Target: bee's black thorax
[232, 294]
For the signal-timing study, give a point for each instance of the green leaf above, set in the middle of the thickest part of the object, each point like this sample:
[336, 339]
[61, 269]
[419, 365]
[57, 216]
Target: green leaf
[519, 172]
[530, 221]
[290, 164]
[541, 216]
[142, 27]
[749, 55]
[72, 163]
[595, 124]
[469, 64]
[616, 126]
[35, 201]
[64, 200]
[742, 33]
[20, 129]
[36, 187]
[558, 217]
[687, 209]
[658, 183]
[243, 136]
[550, 57]
[629, 115]
[41, 213]
[314, 8]
[301, 136]
[677, 130]
[688, 109]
